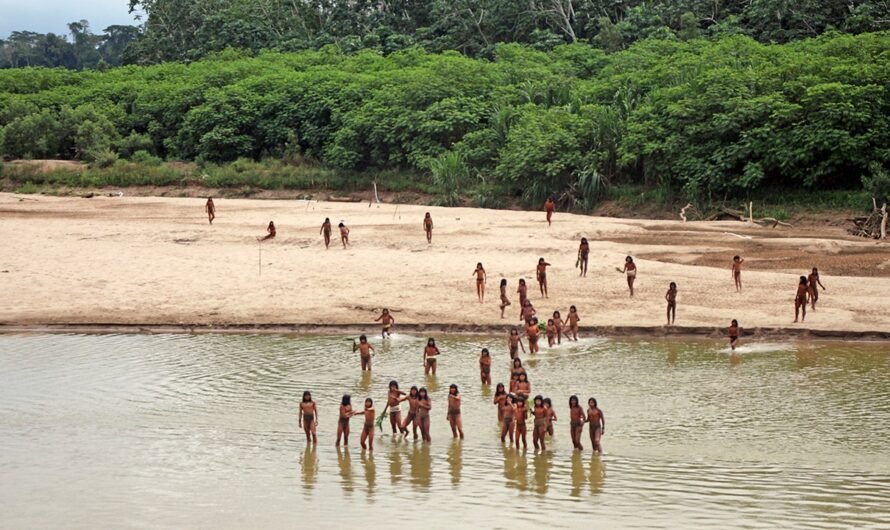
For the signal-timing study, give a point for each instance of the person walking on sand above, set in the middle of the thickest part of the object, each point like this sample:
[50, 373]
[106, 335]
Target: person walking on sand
[344, 234]
[481, 278]
[326, 232]
[630, 268]
[800, 299]
[734, 331]
[549, 207]
[365, 350]
[737, 272]
[428, 227]
[504, 300]
[671, 298]
[583, 255]
[813, 282]
[541, 271]
[387, 320]
[270, 232]
[210, 208]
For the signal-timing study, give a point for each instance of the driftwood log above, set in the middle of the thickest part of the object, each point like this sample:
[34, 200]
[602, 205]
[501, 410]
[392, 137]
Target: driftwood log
[872, 226]
[725, 214]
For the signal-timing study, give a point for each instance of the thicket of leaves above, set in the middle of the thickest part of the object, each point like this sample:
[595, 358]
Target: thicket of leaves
[705, 117]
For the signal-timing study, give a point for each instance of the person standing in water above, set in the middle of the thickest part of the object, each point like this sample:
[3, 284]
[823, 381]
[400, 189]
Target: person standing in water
[541, 271]
[387, 320]
[514, 341]
[270, 232]
[430, 353]
[210, 208]
[540, 414]
[549, 207]
[326, 232]
[576, 422]
[597, 422]
[365, 350]
[508, 412]
[671, 297]
[583, 255]
[343, 421]
[394, 403]
[520, 415]
[500, 395]
[551, 415]
[308, 418]
[424, 405]
[453, 415]
[344, 234]
[428, 227]
[412, 412]
[560, 325]
[504, 300]
[630, 268]
[812, 283]
[481, 278]
[368, 428]
[800, 299]
[734, 331]
[737, 272]
[532, 331]
[573, 320]
[551, 333]
[485, 367]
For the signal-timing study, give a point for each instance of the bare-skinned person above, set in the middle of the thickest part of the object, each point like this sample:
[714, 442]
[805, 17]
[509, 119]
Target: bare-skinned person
[210, 208]
[527, 314]
[734, 331]
[308, 418]
[551, 333]
[522, 291]
[583, 256]
[541, 273]
[325, 231]
[573, 320]
[411, 418]
[520, 414]
[428, 227]
[500, 394]
[597, 422]
[424, 405]
[504, 300]
[523, 386]
[549, 208]
[800, 299]
[576, 422]
[812, 283]
[367, 438]
[671, 298]
[560, 325]
[540, 413]
[532, 331]
[514, 341]
[517, 371]
[508, 412]
[630, 269]
[485, 367]
[430, 354]
[737, 272]
[394, 404]
[346, 412]
[270, 232]
[365, 350]
[481, 278]
[387, 320]
[344, 234]
[453, 417]
[551, 415]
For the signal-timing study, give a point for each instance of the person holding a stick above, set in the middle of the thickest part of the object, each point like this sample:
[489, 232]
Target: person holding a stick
[270, 232]
[326, 232]
[210, 208]
[365, 350]
[428, 227]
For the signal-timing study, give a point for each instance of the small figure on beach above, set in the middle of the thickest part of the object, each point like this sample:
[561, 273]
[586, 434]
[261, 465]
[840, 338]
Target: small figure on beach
[560, 324]
[508, 413]
[500, 394]
[485, 367]
[532, 331]
[344, 234]
[504, 300]
[737, 272]
[210, 208]
[430, 352]
[453, 416]
[573, 320]
[411, 418]
[367, 438]
[387, 321]
[343, 421]
[365, 350]
[540, 413]
[549, 207]
[394, 400]
[308, 417]
[428, 227]
[270, 232]
[630, 269]
[800, 299]
[481, 278]
[424, 405]
[576, 422]
[541, 272]
[514, 341]
[734, 332]
[520, 413]
[522, 290]
[325, 231]
[551, 333]
[583, 255]
[671, 298]
[597, 422]
[813, 282]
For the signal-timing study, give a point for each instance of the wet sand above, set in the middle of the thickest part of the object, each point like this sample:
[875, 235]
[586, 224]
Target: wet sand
[131, 262]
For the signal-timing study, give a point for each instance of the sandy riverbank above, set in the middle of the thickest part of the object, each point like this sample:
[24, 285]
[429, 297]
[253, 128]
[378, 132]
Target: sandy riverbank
[156, 261]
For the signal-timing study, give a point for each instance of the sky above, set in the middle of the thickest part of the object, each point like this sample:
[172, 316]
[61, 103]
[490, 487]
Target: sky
[44, 16]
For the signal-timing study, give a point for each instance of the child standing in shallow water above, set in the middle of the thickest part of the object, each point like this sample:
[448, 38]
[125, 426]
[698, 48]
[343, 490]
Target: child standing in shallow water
[532, 332]
[368, 428]
[365, 350]
[514, 341]
[573, 319]
[671, 297]
[500, 394]
[541, 416]
[430, 353]
[412, 412]
[394, 404]
[453, 417]
[737, 272]
[308, 417]
[508, 412]
[424, 405]
[343, 421]
[485, 367]
[520, 414]
[734, 331]
[560, 324]
[597, 422]
[551, 333]
[576, 422]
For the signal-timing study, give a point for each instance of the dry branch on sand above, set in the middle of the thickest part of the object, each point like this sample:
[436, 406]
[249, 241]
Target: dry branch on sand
[872, 226]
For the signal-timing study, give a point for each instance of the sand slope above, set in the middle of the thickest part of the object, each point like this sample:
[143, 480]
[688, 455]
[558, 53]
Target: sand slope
[156, 261]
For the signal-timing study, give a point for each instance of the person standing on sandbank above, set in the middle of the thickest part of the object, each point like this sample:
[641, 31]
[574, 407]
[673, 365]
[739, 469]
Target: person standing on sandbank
[549, 207]
[813, 282]
[210, 208]
[326, 232]
[428, 227]
[270, 232]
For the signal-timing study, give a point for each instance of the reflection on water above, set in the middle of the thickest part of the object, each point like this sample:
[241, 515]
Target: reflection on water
[162, 431]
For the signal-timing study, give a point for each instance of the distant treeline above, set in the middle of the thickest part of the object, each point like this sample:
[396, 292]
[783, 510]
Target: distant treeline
[84, 49]
[704, 118]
